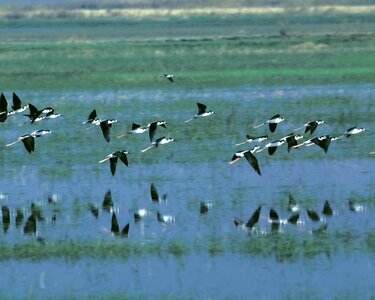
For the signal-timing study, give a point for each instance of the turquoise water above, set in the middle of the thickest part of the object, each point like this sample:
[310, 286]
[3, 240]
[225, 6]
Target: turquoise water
[198, 255]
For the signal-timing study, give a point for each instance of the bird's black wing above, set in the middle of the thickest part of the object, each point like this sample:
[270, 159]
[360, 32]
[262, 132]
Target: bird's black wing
[113, 163]
[107, 201]
[30, 226]
[312, 215]
[3, 108]
[272, 126]
[154, 193]
[273, 215]
[322, 143]
[125, 230]
[123, 157]
[254, 218]
[327, 210]
[313, 126]
[152, 130]
[29, 143]
[201, 108]
[114, 224]
[253, 162]
[105, 129]
[92, 116]
[16, 102]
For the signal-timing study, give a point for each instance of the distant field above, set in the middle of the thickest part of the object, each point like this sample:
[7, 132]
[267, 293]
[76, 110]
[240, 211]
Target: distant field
[69, 12]
[202, 51]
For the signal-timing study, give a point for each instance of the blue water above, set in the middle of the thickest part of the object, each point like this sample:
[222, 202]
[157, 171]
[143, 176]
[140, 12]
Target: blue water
[339, 262]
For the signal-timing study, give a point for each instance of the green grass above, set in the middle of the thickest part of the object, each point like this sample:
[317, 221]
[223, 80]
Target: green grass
[114, 53]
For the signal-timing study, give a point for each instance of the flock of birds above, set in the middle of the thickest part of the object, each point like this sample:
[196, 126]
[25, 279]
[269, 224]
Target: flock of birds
[36, 115]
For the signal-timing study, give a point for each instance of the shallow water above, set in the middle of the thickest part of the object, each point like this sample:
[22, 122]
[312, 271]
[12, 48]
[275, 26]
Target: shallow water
[158, 260]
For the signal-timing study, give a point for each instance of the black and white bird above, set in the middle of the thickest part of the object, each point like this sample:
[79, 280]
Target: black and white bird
[138, 129]
[160, 141]
[36, 115]
[168, 76]
[250, 139]
[29, 139]
[165, 218]
[113, 158]
[252, 220]
[272, 123]
[272, 147]
[105, 125]
[17, 106]
[92, 118]
[292, 140]
[248, 154]
[202, 112]
[353, 130]
[115, 228]
[322, 141]
[155, 195]
[311, 126]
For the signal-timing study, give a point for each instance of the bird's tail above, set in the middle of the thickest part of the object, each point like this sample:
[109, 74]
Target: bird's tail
[257, 126]
[121, 135]
[103, 160]
[239, 144]
[8, 145]
[146, 149]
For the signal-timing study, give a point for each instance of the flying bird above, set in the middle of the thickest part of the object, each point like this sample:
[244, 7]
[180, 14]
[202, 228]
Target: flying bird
[168, 76]
[29, 139]
[160, 141]
[250, 139]
[311, 126]
[113, 157]
[272, 123]
[202, 112]
[248, 154]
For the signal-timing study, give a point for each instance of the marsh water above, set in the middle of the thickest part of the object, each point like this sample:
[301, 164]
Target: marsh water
[201, 254]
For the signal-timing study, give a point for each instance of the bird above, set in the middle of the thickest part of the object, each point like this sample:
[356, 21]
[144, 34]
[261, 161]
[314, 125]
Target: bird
[292, 139]
[168, 76]
[155, 195]
[274, 218]
[252, 220]
[107, 204]
[313, 216]
[272, 147]
[3, 108]
[17, 104]
[91, 118]
[165, 218]
[322, 141]
[6, 217]
[160, 141]
[293, 219]
[140, 213]
[115, 228]
[29, 139]
[311, 126]
[30, 226]
[19, 217]
[327, 210]
[293, 206]
[272, 123]
[250, 139]
[36, 115]
[105, 127]
[113, 157]
[353, 130]
[202, 112]
[151, 127]
[248, 154]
